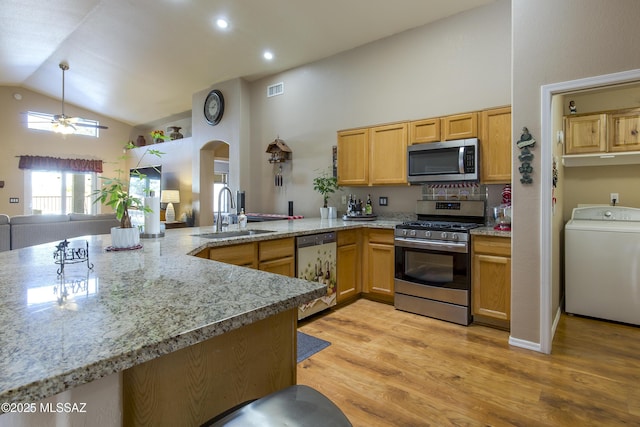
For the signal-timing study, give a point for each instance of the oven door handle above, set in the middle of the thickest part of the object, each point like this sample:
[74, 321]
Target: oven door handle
[460, 247]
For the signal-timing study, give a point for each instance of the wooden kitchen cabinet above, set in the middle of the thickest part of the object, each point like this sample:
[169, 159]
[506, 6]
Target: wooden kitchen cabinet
[585, 133]
[348, 268]
[495, 146]
[624, 131]
[277, 256]
[388, 154]
[379, 264]
[491, 282]
[424, 131]
[353, 157]
[245, 254]
[373, 156]
[459, 126]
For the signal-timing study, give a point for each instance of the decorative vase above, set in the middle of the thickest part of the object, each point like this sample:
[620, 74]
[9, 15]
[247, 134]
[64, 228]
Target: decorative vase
[175, 132]
[125, 238]
[141, 142]
[324, 213]
[333, 212]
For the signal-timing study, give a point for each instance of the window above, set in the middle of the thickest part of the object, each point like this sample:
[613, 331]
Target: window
[141, 184]
[55, 192]
[45, 122]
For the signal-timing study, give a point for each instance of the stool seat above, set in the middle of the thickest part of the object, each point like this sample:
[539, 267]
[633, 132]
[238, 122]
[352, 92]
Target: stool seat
[294, 406]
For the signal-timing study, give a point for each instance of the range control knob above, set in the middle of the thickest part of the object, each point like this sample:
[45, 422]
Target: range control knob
[427, 233]
[454, 237]
[608, 214]
[404, 232]
[444, 235]
[412, 233]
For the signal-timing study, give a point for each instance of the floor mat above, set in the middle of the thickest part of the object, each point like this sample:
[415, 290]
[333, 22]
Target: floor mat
[308, 345]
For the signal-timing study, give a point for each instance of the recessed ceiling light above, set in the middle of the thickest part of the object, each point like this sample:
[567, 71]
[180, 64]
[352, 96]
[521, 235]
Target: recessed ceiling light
[222, 23]
[268, 55]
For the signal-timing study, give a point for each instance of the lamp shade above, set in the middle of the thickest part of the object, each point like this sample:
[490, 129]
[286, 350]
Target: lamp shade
[170, 196]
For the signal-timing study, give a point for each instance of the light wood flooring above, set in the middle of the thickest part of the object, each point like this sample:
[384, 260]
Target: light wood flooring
[390, 368]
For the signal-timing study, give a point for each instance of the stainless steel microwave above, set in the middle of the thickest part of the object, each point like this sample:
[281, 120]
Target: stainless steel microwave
[457, 160]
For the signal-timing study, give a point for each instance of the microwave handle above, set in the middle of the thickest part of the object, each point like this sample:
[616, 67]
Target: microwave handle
[461, 160]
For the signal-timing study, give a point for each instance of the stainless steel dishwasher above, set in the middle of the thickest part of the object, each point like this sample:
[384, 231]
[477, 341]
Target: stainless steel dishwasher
[316, 262]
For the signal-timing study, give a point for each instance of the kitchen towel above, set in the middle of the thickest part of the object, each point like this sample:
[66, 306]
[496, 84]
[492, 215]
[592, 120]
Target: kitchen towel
[308, 346]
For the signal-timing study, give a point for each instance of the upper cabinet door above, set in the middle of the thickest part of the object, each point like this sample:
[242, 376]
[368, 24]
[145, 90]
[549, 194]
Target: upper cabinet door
[353, 157]
[460, 126]
[423, 131]
[495, 146]
[624, 131]
[388, 154]
[586, 134]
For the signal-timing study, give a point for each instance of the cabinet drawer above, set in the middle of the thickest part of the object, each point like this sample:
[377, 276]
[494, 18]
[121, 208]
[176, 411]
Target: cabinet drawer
[492, 245]
[381, 236]
[347, 237]
[275, 249]
[244, 254]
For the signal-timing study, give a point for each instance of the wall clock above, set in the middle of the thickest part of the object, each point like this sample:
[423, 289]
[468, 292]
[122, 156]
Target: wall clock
[214, 107]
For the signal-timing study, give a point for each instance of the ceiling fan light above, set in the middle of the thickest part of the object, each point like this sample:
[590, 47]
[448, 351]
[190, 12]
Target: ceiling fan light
[64, 129]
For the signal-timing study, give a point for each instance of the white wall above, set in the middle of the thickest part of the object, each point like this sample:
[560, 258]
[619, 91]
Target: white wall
[555, 42]
[455, 65]
[17, 140]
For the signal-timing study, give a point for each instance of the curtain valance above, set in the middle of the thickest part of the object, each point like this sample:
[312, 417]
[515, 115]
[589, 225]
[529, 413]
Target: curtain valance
[57, 164]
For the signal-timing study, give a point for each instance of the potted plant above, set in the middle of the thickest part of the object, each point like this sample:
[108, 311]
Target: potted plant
[326, 184]
[115, 193]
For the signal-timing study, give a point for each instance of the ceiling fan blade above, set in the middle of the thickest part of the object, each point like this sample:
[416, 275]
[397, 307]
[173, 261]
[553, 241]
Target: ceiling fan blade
[87, 125]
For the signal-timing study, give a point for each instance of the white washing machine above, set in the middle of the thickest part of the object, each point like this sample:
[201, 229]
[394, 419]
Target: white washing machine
[602, 263]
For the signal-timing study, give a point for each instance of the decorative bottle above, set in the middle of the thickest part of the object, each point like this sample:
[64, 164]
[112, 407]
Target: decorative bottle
[368, 209]
[242, 219]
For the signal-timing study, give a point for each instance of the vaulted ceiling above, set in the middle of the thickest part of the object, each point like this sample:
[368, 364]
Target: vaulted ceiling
[141, 60]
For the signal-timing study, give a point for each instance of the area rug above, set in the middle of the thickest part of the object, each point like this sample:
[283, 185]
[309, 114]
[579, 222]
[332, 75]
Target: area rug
[308, 346]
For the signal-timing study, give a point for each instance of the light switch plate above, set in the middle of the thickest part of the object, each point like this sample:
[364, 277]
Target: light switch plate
[383, 201]
[14, 200]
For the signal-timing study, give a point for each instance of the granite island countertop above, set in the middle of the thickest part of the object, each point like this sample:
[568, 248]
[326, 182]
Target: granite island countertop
[134, 305]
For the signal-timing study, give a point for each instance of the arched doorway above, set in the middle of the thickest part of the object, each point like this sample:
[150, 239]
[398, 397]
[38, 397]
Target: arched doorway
[214, 169]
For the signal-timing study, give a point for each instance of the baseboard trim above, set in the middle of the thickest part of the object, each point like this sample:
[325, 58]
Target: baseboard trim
[529, 345]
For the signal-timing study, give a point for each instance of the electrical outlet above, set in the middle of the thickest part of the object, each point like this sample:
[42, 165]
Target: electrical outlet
[14, 200]
[344, 199]
[614, 198]
[383, 201]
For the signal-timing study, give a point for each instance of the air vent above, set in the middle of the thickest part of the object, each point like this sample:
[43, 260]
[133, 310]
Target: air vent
[276, 89]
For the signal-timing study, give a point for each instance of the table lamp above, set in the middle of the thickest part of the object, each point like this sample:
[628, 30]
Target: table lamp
[170, 197]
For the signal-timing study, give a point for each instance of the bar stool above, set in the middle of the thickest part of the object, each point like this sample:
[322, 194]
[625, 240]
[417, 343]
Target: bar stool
[294, 406]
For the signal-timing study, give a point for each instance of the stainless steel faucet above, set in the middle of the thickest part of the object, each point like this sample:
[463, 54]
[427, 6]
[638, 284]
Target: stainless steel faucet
[233, 205]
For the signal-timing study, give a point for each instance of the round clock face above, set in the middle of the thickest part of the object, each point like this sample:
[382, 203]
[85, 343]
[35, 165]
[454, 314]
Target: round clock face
[214, 107]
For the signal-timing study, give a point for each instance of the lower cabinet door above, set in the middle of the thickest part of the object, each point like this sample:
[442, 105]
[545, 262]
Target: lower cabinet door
[285, 266]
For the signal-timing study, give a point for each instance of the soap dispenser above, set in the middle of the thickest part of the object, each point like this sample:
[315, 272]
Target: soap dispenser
[242, 219]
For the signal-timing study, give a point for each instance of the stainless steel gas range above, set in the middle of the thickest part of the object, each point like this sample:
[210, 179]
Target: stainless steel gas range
[433, 259]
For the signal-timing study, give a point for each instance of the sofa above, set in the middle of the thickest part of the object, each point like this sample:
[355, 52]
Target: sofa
[28, 230]
[5, 233]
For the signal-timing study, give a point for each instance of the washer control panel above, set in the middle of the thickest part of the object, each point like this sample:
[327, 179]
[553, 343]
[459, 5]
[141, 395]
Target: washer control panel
[606, 213]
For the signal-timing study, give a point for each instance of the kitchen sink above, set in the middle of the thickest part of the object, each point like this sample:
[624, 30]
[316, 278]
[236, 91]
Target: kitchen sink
[237, 233]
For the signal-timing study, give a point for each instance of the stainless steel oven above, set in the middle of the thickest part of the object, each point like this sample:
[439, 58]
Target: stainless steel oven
[433, 260]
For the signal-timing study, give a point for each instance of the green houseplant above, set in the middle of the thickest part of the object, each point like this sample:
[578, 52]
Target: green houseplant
[326, 184]
[115, 193]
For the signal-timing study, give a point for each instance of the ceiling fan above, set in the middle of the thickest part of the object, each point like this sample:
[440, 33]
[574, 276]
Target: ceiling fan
[64, 124]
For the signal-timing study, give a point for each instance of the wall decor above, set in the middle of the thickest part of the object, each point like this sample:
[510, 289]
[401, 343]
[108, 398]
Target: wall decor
[525, 143]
